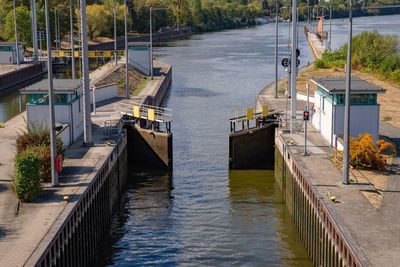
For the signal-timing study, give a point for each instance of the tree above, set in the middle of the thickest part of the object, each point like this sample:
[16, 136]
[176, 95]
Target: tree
[23, 26]
[99, 20]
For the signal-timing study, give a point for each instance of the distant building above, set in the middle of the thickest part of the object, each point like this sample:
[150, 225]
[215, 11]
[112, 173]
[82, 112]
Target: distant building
[8, 53]
[68, 107]
[139, 56]
[328, 111]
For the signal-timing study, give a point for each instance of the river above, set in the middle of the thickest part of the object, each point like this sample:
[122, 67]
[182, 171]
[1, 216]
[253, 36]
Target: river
[203, 214]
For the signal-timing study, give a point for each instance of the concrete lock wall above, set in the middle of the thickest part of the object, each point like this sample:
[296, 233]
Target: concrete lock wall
[253, 149]
[319, 233]
[148, 148]
[76, 238]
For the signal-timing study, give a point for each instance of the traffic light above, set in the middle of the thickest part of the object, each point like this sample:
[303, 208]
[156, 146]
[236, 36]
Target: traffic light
[306, 115]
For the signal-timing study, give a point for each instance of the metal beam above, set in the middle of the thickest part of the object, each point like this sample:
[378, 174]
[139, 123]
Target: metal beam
[126, 52]
[293, 73]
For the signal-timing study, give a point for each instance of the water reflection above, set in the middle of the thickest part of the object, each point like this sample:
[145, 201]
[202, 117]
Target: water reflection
[260, 223]
[145, 211]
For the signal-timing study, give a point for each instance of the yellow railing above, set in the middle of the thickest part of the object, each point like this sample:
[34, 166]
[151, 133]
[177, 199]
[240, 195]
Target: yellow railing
[91, 54]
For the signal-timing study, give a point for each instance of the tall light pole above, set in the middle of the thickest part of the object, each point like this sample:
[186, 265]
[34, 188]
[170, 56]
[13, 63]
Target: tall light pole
[276, 47]
[293, 69]
[71, 24]
[16, 33]
[34, 30]
[87, 123]
[115, 32]
[126, 52]
[346, 146]
[151, 38]
[53, 147]
[330, 27]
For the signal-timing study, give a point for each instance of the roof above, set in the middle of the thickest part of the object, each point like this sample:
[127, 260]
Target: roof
[8, 44]
[337, 85]
[138, 43]
[59, 85]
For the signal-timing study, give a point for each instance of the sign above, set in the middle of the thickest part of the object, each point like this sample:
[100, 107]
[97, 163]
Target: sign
[306, 115]
[41, 34]
[265, 111]
[59, 162]
[250, 114]
[285, 62]
[151, 115]
[136, 112]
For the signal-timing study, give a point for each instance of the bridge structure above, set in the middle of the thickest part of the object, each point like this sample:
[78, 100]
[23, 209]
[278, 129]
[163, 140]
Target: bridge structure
[96, 54]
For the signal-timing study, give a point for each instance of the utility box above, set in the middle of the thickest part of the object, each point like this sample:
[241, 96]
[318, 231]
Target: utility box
[8, 53]
[139, 56]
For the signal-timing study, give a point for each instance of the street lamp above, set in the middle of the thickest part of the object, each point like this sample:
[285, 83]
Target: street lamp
[34, 31]
[115, 33]
[346, 147]
[276, 47]
[87, 123]
[151, 37]
[293, 66]
[126, 52]
[71, 23]
[330, 22]
[53, 147]
[16, 33]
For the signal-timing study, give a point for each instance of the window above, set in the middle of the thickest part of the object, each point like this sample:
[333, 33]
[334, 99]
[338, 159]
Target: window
[358, 99]
[323, 104]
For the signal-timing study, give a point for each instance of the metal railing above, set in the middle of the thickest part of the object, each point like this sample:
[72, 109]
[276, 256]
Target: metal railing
[91, 54]
[146, 112]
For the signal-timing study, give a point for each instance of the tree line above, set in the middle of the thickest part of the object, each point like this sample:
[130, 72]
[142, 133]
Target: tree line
[200, 15]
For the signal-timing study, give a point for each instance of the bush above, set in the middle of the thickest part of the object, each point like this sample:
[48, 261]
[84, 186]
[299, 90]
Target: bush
[27, 182]
[37, 136]
[44, 155]
[365, 153]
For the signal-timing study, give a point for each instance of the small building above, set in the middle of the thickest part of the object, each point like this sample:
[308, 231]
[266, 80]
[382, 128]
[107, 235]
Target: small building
[8, 53]
[139, 56]
[328, 110]
[67, 108]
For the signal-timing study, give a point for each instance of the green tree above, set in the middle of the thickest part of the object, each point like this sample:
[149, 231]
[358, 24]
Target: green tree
[23, 26]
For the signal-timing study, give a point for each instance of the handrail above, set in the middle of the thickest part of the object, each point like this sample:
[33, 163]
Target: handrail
[146, 112]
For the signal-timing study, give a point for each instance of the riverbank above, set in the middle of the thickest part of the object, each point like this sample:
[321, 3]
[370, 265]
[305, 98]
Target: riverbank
[66, 225]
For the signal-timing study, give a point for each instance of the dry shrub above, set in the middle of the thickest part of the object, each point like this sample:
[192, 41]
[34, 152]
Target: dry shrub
[364, 152]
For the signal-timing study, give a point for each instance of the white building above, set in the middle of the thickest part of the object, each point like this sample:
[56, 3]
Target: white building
[8, 53]
[139, 56]
[328, 110]
[67, 108]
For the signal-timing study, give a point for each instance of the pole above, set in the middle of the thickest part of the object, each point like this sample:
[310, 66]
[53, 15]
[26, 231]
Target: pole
[346, 146]
[34, 31]
[151, 42]
[16, 34]
[87, 123]
[330, 27]
[126, 52]
[293, 68]
[276, 47]
[58, 30]
[115, 33]
[53, 147]
[71, 23]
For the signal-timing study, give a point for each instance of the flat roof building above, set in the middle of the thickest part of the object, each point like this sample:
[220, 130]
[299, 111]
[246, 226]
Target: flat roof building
[8, 54]
[328, 110]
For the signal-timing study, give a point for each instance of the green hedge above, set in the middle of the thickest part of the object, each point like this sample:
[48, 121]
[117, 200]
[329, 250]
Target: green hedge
[27, 180]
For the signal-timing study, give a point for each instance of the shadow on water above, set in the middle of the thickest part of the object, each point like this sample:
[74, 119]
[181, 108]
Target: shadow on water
[144, 211]
[261, 220]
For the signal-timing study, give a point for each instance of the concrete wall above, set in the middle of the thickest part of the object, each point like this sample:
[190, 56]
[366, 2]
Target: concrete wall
[252, 149]
[319, 232]
[139, 57]
[103, 93]
[149, 149]
[157, 97]
[21, 78]
[81, 231]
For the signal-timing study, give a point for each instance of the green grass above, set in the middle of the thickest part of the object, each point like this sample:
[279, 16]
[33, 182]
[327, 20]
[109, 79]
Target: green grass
[143, 83]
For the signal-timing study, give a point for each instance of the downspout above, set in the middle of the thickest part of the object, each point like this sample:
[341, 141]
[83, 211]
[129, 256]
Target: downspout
[72, 139]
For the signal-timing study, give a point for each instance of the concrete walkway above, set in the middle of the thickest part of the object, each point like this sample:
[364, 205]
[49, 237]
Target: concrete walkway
[21, 234]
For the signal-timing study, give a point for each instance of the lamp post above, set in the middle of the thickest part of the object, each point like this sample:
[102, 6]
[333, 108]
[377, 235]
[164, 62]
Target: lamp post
[126, 52]
[16, 34]
[346, 146]
[53, 147]
[34, 31]
[276, 47]
[151, 38]
[87, 123]
[71, 24]
[293, 66]
[115, 33]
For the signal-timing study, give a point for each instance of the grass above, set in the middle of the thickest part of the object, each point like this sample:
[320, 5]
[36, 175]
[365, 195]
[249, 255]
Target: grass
[141, 85]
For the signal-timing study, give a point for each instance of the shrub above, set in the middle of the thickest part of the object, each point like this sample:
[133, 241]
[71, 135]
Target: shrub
[365, 153]
[44, 155]
[27, 182]
[36, 136]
